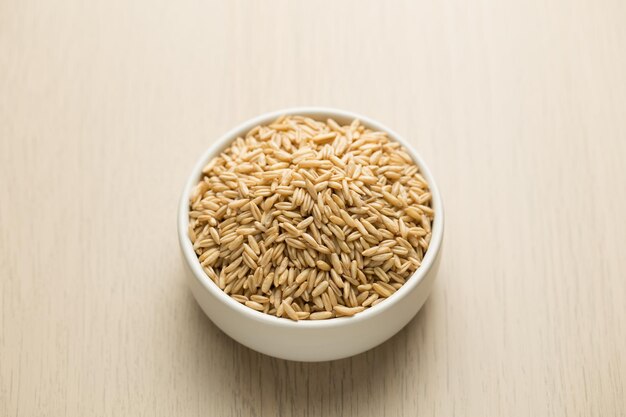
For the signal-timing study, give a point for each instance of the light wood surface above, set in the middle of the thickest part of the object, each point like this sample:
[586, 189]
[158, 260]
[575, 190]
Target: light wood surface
[518, 106]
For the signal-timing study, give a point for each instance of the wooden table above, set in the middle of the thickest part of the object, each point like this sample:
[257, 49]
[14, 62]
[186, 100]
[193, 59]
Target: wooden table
[518, 106]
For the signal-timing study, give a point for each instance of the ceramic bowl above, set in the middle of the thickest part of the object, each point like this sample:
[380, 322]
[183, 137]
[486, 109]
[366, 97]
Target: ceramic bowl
[310, 340]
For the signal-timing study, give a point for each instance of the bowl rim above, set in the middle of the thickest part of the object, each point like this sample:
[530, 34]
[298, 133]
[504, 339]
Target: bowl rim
[314, 112]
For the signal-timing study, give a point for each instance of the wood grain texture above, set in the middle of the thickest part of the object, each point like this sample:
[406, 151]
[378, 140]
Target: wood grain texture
[518, 106]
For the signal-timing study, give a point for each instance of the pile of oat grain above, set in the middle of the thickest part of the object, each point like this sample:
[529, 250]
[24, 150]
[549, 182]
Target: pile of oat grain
[311, 220]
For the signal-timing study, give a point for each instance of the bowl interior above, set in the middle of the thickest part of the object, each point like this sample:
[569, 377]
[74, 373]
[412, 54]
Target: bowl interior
[342, 117]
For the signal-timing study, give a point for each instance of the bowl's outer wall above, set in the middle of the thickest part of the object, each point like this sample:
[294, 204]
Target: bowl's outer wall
[314, 344]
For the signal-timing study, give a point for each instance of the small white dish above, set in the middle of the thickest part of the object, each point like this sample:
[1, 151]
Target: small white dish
[310, 340]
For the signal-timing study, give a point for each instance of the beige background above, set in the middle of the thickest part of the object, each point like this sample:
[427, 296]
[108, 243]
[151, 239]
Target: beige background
[518, 106]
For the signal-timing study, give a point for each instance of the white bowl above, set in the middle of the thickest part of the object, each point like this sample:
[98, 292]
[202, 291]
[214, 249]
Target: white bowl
[308, 340]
